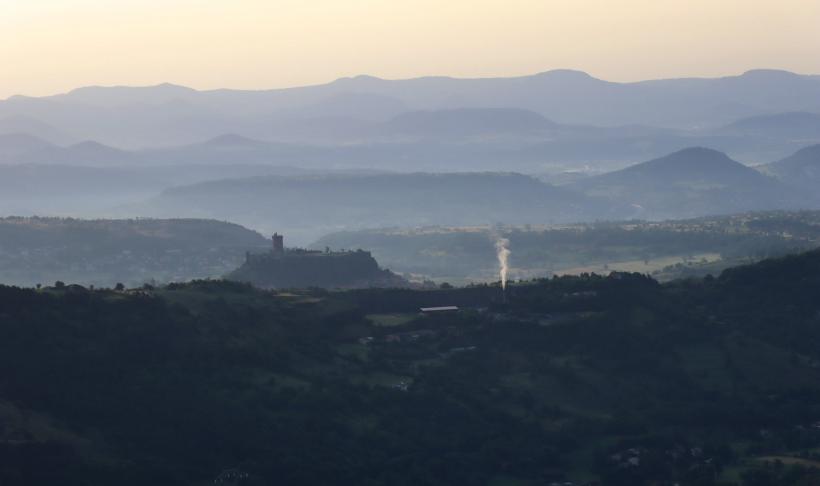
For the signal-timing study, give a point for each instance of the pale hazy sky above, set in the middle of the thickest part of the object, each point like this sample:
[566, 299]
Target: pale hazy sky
[50, 46]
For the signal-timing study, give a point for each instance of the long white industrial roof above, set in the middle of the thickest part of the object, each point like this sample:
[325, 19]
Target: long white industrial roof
[439, 309]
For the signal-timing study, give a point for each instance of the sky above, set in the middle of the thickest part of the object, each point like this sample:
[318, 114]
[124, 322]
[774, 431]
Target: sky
[52, 46]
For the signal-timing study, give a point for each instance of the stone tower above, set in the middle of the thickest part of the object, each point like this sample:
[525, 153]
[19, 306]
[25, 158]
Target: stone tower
[278, 244]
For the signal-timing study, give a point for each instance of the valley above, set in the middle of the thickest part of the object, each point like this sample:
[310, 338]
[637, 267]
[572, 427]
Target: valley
[539, 279]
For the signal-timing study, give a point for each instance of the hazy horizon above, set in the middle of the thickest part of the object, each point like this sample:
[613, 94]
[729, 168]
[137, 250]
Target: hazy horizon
[423, 76]
[57, 45]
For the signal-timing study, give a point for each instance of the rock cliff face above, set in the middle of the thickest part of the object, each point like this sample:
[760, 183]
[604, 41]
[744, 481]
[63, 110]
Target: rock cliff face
[299, 268]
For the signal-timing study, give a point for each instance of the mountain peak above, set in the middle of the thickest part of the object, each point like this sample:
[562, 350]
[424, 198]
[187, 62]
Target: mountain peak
[361, 79]
[695, 159]
[565, 73]
[232, 140]
[811, 149]
[156, 87]
[566, 77]
[167, 85]
[699, 152]
[801, 169]
[806, 155]
[90, 145]
[688, 163]
[691, 182]
[769, 74]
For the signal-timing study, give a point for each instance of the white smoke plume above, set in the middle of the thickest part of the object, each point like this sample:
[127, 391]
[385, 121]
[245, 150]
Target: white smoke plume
[503, 254]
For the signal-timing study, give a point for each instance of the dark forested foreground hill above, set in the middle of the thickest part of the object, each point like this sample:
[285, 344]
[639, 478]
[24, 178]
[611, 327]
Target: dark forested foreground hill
[133, 251]
[612, 380]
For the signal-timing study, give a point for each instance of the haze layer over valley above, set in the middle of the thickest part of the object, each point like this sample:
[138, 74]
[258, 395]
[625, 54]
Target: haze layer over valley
[125, 152]
[363, 153]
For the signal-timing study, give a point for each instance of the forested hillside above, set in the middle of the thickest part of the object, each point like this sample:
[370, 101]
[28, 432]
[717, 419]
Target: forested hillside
[132, 251]
[614, 379]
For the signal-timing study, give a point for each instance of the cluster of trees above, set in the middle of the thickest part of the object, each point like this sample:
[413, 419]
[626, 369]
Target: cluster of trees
[105, 251]
[638, 383]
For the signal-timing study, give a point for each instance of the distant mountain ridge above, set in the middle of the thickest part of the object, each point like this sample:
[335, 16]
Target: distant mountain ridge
[169, 114]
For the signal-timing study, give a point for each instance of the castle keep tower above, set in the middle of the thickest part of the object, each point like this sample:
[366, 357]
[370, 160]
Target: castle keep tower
[278, 244]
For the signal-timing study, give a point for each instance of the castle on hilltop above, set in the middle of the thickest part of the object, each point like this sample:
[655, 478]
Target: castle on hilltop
[279, 251]
[298, 267]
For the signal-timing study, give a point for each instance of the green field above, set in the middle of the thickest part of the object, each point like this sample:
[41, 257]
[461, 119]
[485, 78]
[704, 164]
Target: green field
[649, 265]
